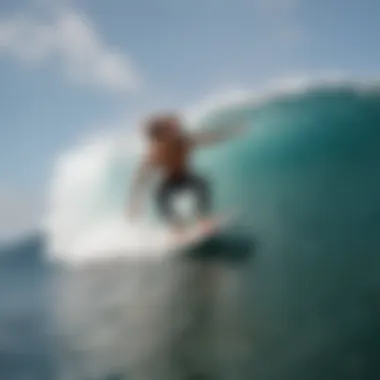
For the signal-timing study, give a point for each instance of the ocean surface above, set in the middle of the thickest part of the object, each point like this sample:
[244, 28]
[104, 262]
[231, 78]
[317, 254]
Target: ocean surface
[291, 291]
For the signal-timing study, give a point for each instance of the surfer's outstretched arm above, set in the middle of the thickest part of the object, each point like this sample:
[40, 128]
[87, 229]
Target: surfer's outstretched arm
[218, 136]
[140, 181]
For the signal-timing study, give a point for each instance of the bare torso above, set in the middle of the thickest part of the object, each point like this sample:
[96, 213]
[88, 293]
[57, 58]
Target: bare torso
[171, 156]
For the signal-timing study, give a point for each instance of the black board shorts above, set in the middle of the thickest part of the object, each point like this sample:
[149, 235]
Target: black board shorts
[175, 184]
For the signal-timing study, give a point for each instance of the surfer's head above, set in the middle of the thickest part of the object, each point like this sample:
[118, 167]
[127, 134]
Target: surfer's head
[164, 126]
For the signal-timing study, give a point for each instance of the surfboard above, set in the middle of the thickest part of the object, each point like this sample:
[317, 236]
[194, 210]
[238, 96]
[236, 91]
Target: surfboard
[196, 234]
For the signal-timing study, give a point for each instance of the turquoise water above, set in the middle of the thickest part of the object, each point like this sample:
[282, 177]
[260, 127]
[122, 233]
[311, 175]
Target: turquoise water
[297, 141]
[306, 179]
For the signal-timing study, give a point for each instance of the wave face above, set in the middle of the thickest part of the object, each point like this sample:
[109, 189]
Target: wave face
[297, 143]
[306, 181]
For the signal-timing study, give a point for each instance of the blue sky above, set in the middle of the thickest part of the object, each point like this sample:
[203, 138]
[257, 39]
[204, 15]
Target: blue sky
[69, 67]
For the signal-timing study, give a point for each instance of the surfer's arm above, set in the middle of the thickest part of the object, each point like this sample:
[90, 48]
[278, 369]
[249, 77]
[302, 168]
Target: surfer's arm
[139, 184]
[217, 136]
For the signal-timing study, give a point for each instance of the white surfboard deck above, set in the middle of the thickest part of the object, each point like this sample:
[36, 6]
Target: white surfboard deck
[196, 234]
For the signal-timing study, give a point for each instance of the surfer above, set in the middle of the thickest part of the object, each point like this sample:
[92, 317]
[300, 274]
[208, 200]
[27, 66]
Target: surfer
[170, 148]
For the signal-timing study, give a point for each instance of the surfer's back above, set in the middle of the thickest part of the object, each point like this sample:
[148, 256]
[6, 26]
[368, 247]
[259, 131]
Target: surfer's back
[171, 156]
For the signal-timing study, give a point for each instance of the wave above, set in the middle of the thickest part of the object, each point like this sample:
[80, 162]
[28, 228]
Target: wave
[317, 123]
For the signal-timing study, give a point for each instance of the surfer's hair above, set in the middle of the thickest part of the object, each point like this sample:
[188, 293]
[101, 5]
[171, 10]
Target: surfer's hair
[157, 125]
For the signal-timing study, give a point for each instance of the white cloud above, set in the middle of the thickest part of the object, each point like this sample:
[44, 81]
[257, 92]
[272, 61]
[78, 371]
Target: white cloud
[20, 214]
[68, 37]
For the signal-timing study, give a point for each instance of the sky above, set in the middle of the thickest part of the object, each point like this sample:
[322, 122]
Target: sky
[72, 68]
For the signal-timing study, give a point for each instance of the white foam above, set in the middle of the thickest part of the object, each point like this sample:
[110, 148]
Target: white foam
[115, 238]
